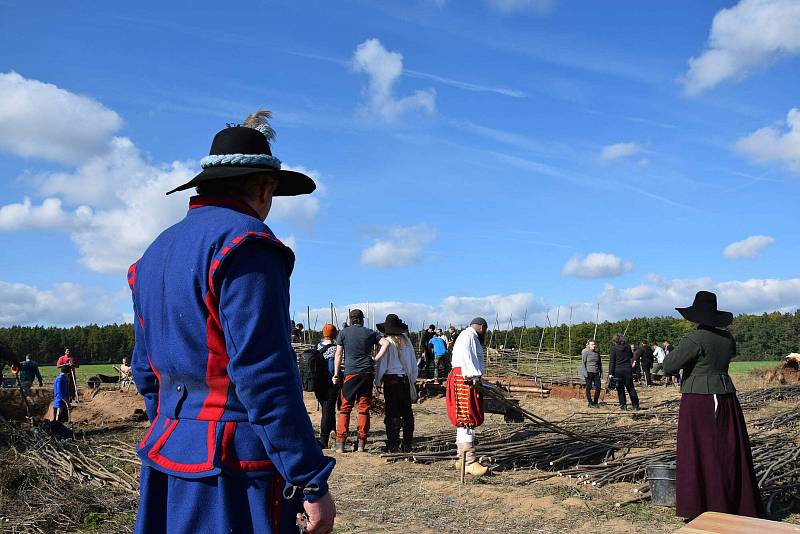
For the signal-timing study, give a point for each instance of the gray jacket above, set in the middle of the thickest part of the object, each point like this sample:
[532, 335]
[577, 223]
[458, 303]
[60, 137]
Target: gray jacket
[591, 361]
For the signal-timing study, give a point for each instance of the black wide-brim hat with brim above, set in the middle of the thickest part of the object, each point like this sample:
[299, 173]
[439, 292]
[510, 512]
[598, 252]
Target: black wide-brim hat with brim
[240, 151]
[704, 311]
[392, 326]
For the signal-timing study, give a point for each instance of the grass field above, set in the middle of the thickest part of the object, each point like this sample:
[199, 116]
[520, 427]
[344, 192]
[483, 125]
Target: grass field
[83, 372]
[745, 367]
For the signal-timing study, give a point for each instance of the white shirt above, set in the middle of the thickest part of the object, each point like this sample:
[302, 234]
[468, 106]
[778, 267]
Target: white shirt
[468, 353]
[397, 361]
[660, 354]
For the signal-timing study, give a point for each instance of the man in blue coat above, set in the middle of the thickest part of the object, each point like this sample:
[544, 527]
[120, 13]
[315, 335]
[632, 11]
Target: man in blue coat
[230, 446]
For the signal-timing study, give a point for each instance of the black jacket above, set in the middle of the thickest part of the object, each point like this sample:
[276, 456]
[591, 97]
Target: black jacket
[619, 359]
[646, 358]
[704, 355]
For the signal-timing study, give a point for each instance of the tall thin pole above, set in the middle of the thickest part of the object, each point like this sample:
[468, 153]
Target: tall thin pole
[510, 326]
[555, 332]
[333, 322]
[496, 326]
[308, 324]
[521, 334]
[569, 332]
[541, 339]
[596, 320]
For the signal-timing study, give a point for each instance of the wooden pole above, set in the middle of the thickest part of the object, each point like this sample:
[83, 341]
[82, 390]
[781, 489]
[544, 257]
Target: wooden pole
[569, 332]
[521, 335]
[333, 322]
[555, 331]
[596, 320]
[541, 339]
[510, 326]
[308, 324]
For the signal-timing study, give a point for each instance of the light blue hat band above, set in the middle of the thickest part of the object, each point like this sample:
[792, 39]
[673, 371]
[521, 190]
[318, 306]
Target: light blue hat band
[248, 160]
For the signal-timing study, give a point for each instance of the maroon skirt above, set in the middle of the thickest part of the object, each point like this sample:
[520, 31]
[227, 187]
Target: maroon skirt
[714, 470]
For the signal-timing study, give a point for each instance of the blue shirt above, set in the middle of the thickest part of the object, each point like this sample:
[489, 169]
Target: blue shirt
[60, 391]
[439, 346]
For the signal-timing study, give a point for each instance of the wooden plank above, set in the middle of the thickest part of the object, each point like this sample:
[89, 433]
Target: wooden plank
[718, 523]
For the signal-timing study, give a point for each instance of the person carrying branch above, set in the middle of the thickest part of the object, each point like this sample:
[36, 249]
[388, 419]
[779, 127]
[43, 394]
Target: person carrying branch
[464, 399]
[230, 447]
[714, 470]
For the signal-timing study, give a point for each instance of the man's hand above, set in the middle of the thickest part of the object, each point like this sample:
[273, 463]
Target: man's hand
[320, 515]
[335, 379]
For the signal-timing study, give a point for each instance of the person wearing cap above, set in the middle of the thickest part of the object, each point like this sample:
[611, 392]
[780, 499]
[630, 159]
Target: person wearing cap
[355, 344]
[463, 397]
[230, 447]
[714, 462]
[396, 373]
[328, 394]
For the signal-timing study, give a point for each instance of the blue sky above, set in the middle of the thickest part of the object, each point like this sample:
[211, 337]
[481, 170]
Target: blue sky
[485, 156]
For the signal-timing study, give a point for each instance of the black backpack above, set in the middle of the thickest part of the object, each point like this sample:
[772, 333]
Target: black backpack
[314, 369]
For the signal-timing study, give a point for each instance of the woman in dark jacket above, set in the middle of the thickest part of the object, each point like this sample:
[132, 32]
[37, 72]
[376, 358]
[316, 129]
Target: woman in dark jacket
[620, 366]
[714, 469]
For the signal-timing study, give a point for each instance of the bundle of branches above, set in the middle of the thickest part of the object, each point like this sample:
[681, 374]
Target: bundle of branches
[756, 399]
[787, 418]
[538, 443]
[50, 485]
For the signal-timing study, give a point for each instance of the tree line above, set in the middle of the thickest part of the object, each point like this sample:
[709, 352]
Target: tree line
[759, 337]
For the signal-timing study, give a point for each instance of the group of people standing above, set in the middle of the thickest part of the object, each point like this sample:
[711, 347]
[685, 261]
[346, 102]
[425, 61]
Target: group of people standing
[360, 360]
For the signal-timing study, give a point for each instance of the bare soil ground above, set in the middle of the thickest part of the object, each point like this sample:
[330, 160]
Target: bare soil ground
[375, 496]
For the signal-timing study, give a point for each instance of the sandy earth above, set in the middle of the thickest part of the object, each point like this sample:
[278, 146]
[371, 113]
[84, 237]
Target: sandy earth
[375, 496]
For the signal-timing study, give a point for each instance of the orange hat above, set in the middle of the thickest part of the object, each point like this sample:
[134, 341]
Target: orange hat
[329, 331]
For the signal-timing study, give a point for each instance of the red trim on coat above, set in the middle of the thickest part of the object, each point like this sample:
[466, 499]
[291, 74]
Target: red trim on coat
[158, 377]
[200, 201]
[217, 377]
[132, 277]
[163, 461]
[147, 434]
[229, 459]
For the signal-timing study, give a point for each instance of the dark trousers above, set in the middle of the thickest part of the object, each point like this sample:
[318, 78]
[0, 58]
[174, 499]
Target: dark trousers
[592, 382]
[648, 378]
[63, 415]
[329, 401]
[625, 381]
[399, 414]
[426, 363]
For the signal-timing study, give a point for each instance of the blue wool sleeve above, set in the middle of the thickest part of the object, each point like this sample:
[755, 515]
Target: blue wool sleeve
[254, 311]
[143, 375]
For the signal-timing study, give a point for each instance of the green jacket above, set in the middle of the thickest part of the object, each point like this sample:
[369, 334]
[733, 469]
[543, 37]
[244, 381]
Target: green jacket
[28, 370]
[704, 355]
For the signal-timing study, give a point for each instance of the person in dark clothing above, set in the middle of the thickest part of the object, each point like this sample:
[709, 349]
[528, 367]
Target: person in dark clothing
[636, 364]
[427, 354]
[646, 362]
[590, 359]
[620, 365]
[355, 344]
[328, 393]
[28, 371]
[714, 470]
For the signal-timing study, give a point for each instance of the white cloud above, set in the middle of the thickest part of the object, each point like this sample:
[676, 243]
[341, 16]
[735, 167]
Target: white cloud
[596, 265]
[383, 69]
[42, 120]
[49, 214]
[120, 205]
[774, 144]
[748, 248]
[400, 247]
[619, 150]
[451, 310]
[509, 6]
[658, 296]
[63, 304]
[751, 34]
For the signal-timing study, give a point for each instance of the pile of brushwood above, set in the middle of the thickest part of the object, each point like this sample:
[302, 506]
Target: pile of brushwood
[588, 448]
[50, 482]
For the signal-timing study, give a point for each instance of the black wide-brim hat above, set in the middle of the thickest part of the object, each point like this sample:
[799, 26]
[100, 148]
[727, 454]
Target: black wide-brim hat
[240, 151]
[392, 326]
[704, 311]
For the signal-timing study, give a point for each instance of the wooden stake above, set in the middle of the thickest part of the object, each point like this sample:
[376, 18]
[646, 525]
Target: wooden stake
[463, 465]
[555, 332]
[569, 332]
[596, 320]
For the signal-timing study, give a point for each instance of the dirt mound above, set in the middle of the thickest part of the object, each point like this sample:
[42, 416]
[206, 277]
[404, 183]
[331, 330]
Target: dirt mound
[108, 407]
[787, 373]
[13, 408]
